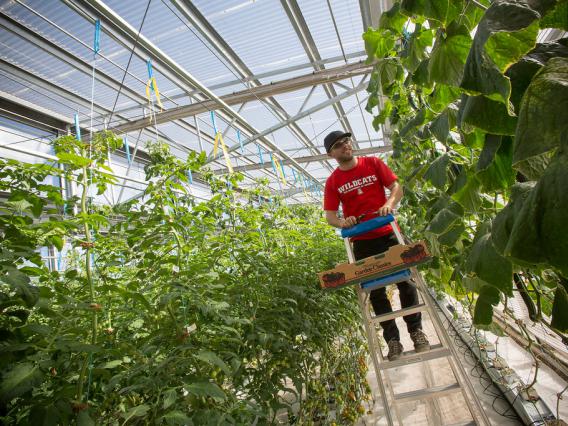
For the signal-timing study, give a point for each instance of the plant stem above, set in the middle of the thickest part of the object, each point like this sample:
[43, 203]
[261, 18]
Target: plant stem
[88, 266]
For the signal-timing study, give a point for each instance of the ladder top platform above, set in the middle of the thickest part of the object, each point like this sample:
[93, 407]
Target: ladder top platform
[369, 225]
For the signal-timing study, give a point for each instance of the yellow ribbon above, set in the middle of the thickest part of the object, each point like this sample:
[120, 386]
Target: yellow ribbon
[219, 138]
[154, 86]
[279, 169]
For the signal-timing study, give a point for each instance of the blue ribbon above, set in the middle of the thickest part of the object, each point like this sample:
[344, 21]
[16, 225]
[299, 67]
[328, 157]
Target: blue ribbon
[240, 141]
[77, 128]
[260, 154]
[213, 121]
[97, 43]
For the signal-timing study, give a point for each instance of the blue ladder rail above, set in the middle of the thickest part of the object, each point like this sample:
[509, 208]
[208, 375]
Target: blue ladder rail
[369, 225]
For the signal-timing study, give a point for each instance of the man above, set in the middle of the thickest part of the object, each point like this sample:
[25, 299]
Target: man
[358, 184]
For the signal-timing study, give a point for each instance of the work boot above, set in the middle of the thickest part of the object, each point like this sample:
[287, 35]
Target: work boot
[421, 343]
[395, 350]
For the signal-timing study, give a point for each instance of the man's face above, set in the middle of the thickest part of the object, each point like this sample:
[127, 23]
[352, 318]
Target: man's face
[342, 150]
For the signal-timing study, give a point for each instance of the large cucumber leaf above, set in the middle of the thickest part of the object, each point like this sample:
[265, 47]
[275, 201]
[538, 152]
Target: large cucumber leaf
[449, 54]
[494, 165]
[540, 234]
[543, 118]
[484, 262]
[505, 219]
[507, 31]
[483, 314]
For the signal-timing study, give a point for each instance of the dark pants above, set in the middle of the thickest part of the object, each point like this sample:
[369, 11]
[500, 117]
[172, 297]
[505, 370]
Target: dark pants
[379, 300]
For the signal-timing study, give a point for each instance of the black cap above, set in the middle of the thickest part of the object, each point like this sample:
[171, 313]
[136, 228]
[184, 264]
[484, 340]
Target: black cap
[332, 138]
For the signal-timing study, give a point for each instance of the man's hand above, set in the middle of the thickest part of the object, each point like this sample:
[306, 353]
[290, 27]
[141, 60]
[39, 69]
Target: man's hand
[348, 222]
[386, 209]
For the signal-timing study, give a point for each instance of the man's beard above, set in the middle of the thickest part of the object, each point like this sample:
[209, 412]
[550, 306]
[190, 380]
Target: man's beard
[345, 158]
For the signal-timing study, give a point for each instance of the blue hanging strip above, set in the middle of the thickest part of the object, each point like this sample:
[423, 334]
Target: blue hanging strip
[77, 128]
[190, 176]
[212, 113]
[273, 164]
[240, 141]
[260, 154]
[150, 73]
[97, 43]
[127, 150]
[294, 175]
[283, 171]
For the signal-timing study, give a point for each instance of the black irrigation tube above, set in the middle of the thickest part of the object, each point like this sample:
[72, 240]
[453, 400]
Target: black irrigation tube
[531, 412]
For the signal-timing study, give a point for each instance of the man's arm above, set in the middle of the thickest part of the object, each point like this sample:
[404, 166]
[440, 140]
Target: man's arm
[395, 196]
[333, 220]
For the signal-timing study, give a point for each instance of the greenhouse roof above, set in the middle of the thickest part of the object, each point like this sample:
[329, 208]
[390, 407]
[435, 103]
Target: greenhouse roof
[277, 74]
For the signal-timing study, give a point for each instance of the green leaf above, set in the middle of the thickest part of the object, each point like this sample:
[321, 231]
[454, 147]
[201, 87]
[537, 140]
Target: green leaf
[112, 364]
[505, 219]
[378, 43]
[505, 34]
[451, 237]
[486, 114]
[522, 73]
[442, 221]
[557, 17]
[437, 10]
[138, 411]
[560, 309]
[449, 54]
[437, 172]
[483, 314]
[416, 48]
[484, 262]
[442, 96]
[73, 159]
[540, 234]
[20, 282]
[468, 194]
[84, 419]
[392, 19]
[543, 118]
[212, 358]
[19, 380]
[170, 397]
[494, 167]
[176, 417]
[206, 389]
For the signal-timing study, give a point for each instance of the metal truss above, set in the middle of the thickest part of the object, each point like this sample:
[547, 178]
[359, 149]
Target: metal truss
[310, 159]
[257, 93]
[297, 20]
[127, 35]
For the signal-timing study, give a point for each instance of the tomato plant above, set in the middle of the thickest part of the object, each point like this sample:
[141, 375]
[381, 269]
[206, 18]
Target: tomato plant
[174, 311]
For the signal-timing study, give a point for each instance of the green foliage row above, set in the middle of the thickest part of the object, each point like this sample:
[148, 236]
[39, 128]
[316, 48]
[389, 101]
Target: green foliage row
[477, 112]
[175, 312]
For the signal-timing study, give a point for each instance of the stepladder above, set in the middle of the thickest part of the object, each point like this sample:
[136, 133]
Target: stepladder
[431, 395]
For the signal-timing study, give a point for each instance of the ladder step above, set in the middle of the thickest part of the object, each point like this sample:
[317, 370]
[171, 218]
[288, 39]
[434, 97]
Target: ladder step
[400, 313]
[411, 357]
[396, 277]
[435, 392]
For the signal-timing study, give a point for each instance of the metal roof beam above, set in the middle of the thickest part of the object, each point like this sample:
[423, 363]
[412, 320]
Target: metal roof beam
[297, 19]
[192, 14]
[252, 94]
[299, 116]
[279, 71]
[113, 23]
[309, 159]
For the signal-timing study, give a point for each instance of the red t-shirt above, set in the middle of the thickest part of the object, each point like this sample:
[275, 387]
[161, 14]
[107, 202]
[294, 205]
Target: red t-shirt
[360, 190]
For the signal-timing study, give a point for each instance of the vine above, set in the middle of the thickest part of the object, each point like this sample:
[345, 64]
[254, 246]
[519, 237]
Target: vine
[478, 126]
